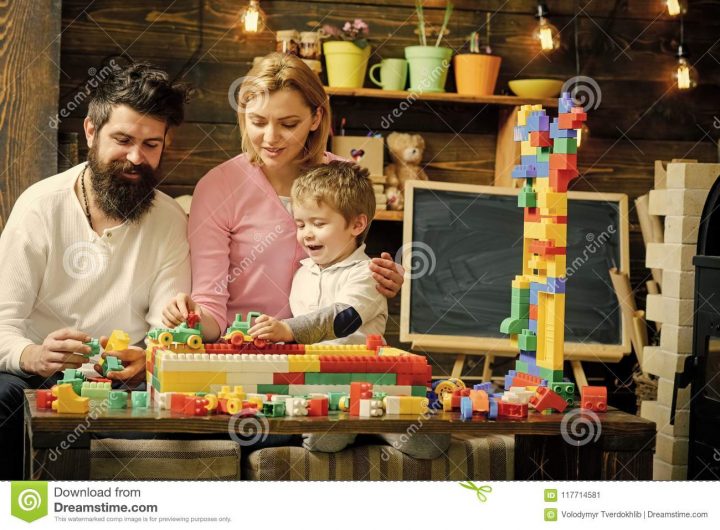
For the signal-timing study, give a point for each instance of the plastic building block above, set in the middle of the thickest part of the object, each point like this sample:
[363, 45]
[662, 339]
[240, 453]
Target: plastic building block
[110, 363]
[371, 408]
[541, 138]
[118, 341]
[140, 399]
[117, 399]
[565, 390]
[295, 406]
[493, 410]
[73, 377]
[487, 386]
[318, 406]
[94, 345]
[68, 402]
[518, 394]
[95, 391]
[274, 409]
[44, 399]
[527, 340]
[512, 410]
[466, 408]
[479, 400]
[513, 326]
[358, 391]
[593, 398]
[546, 399]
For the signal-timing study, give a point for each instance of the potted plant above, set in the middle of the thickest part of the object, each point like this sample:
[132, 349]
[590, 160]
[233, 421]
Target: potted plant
[429, 64]
[476, 71]
[346, 56]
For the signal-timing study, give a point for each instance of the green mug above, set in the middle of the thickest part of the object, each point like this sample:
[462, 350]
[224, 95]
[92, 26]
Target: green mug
[393, 74]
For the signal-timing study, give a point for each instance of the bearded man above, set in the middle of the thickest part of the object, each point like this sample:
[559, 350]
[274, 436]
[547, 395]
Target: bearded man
[93, 249]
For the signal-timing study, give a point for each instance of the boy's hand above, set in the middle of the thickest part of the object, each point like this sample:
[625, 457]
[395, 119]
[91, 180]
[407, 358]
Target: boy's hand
[387, 274]
[272, 329]
[176, 312]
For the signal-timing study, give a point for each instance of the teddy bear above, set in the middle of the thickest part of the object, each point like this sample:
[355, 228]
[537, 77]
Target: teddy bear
[406, 151]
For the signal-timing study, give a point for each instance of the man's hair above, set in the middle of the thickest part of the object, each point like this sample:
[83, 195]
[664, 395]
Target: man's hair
[142, 87]
[344, 186]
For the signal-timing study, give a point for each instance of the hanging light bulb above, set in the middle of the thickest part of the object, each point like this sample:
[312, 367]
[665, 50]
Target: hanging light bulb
[545, 33]
[252, 18]
[583, 135]
[674, 7]
[685, 76]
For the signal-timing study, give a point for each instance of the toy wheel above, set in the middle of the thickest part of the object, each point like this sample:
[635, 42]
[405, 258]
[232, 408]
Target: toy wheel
[260, 343]
[165, 338]
[194, 341]
[233, 405]
[236, 339]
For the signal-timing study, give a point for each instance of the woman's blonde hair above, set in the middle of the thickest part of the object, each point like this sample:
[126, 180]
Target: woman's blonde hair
[278, 71]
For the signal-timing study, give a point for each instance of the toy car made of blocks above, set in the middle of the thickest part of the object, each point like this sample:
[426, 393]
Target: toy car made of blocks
[187, 332]
[237, 333]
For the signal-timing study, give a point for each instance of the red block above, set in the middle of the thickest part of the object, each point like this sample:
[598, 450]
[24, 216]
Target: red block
[546, 248]
[593, 398]
[177, 402]
[290, 378]
[533, 312]
[318, 406]
[357, 390]
[540, 139]
[523, 379]
[560, 178]
[44, 399]
[512, 410]
[545, 399]
[562, 161]
[373, 342]
[531, 215]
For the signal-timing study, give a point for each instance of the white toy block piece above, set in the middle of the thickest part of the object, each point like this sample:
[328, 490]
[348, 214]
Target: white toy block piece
[162, 401]
[681, 229]
[673, 257]
[665, 394]
[304, 390]
[295, 406]
[692, 176]
[279, 398]
[668, 310]
[664, 471]
[672, 449]
[657, 361]
[678, 339]
[681, 426]
[648, 411]
[518, 394]
[677, 202]
[392, 404]
[251, 378]
[394, 390]
[678, 284]
[371, 408]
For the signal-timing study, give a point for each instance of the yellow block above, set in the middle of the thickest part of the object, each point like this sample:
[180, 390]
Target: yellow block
[337, 349]
[552, 201]
[526, 149]
[523, 114]
[190, 381]
[68, 402]
[413, 405]
[539, 263]
[304, 363]
[551, 331]
[118, 341]
[554, 232]
[556, 265]
[521, 282]
[386, 351]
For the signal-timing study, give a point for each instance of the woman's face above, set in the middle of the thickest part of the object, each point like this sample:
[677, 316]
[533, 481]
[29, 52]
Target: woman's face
[279, 126]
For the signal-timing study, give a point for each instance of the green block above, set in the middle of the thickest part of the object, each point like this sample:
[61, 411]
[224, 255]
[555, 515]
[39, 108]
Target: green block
[111, 364]
[566, 391]
[527, 340]
[514, 326]
[521, 367]
[94, 347]
[95, 391]
[274, 409]
[543, 154]
[382, 379]
[117, 399]
[520, 310]
[334, 400]
[418, 391]
[317, 378]
[360, 378]
[156, 383]
[565, 146]
[379, 395]
[73, 377]
[523, 294]
[141, 399]
[552, 376]
[527, 198]
[273, 389]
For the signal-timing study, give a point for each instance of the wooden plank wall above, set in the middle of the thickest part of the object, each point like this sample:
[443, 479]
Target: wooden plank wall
[29, 58]
[625, 47]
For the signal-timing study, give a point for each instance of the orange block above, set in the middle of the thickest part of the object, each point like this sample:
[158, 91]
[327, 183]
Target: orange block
[540, 139]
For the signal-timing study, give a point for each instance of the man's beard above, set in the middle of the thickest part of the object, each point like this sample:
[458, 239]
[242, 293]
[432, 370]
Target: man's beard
[117, 197]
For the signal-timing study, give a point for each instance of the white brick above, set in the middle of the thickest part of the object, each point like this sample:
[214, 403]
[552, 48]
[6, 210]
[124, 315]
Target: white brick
[677, 201]
[678, 339]
[681, 229]
[681, 426]
[692, 176]
[668, 310]
[665, 394]
[672, 450]
[252, 378]
[673, 257]
[664, 471]
[663, 363]
[678, 284]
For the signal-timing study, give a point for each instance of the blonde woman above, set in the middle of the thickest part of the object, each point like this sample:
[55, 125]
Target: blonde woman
[243, 246]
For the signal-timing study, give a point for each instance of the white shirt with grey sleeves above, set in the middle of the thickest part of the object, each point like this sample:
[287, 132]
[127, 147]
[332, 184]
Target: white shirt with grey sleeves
[339, 304]
[57, 272]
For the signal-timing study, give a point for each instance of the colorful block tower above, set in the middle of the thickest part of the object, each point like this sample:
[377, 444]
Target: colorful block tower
[548, 162]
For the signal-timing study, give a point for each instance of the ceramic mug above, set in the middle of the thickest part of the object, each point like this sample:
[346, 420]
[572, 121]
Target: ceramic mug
[393, 74]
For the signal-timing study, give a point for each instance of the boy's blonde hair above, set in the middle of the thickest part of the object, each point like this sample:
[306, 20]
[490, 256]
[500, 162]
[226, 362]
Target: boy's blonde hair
[278, 71]
[344, 186]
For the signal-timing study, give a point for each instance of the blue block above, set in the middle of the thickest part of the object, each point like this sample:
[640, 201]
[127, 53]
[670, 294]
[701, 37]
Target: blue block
[527, 356]
[466, 410]
[520, 133]
[528, 160]
[487, 387]
[493, 410]
[538, 121]
[542, 169]
[509, 378]
[533, 326]
[556, 132]
[555, 285]
[524, 172]
[565, 103]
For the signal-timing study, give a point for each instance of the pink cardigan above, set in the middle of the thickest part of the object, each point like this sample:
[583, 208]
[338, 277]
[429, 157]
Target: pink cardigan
[243, 248]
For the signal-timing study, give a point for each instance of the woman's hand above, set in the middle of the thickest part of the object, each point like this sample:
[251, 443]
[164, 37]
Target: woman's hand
[387, 274]
[177, 310]
[272, 329]
[133, 360]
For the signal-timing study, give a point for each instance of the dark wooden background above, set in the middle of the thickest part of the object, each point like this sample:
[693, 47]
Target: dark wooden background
[625, 46]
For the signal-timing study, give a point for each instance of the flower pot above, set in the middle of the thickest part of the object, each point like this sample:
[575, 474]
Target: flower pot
[476, 74]
[428, 67]
[346, 63]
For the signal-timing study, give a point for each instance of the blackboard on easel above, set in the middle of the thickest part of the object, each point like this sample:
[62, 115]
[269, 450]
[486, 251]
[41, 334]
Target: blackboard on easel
[462, 246]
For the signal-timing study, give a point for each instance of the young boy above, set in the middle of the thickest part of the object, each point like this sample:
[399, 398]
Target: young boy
[333, 297]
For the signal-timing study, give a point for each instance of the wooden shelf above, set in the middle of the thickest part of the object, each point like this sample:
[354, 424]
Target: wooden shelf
[389, 215]
[448, 97]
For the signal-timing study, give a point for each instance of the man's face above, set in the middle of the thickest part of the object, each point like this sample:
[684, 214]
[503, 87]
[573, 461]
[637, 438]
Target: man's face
[124, 158]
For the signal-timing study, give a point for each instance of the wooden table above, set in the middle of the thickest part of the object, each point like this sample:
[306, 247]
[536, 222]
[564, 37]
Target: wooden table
[621, 447]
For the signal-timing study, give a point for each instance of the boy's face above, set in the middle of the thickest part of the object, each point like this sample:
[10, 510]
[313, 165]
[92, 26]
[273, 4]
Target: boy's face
[324, 233]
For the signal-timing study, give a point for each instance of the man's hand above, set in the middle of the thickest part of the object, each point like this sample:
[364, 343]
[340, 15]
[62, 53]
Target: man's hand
[60, 350]
[387, 274]
[133, 360]
[272, 329]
